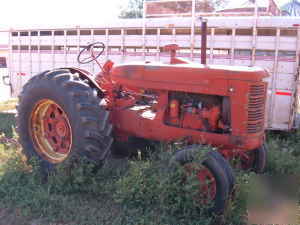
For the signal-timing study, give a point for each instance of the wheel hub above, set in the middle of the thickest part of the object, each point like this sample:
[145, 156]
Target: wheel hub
[61, 128]
[207, 184]
[208, 187]
[51, 131]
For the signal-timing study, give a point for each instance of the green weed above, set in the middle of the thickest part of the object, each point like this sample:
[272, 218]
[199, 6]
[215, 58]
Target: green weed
[123, 192]
[136, 191]
[7, 124]
[283, 153]
[152, 191]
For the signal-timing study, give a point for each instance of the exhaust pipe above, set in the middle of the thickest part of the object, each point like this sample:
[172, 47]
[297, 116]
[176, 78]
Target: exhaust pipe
[203, 40]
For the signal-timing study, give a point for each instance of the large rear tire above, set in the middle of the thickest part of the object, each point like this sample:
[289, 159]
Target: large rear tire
[60, 118]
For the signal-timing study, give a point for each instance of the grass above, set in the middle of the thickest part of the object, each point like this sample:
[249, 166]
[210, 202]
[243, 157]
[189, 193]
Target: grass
[125, 192]
[7, 120]
[8, 105]
[7, 124]
[285, 154]
[133, 192]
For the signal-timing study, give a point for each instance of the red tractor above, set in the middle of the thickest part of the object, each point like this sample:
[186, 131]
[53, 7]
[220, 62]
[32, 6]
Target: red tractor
[69, 113]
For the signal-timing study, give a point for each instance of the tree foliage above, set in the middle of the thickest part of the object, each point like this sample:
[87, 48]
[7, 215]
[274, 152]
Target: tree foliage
[134, 9]
[210, 5]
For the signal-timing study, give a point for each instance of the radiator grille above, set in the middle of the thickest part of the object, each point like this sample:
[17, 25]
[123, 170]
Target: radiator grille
[256, 108]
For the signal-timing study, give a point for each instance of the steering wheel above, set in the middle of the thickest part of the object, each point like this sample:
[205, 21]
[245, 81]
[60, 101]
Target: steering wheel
[90, 49]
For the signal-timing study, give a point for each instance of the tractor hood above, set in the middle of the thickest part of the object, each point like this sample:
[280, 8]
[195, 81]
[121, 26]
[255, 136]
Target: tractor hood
[151, 75]
[186, 73]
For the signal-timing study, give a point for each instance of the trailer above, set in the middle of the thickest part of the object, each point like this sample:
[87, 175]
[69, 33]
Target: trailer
[4, 78]
[272, 43]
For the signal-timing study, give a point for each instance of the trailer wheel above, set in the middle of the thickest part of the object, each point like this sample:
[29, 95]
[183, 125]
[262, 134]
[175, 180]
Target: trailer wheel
[60, 118]
[214, 185]
[255, 160]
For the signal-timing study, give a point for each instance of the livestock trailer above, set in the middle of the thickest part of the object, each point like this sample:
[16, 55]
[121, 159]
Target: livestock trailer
[272, 43]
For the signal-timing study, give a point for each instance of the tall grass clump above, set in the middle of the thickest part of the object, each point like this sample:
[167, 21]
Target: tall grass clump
[283, 153]
[153, 192]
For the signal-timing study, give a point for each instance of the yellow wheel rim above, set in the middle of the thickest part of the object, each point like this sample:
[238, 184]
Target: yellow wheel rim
[51, 131]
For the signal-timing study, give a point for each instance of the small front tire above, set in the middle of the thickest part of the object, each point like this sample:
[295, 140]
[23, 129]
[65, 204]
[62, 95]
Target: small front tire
[255, 160]
[212, 173]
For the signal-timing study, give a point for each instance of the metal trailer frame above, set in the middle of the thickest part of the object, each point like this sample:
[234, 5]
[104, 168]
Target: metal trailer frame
[269, 42]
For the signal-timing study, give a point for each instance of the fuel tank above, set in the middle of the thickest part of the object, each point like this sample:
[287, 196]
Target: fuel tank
[183, 77]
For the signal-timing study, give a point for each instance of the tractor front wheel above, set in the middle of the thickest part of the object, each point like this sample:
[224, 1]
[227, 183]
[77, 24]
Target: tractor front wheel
[60, 118]
[254, 160]
[214, 186]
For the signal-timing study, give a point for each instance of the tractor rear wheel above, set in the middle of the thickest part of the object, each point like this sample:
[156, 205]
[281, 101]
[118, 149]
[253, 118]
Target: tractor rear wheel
[60, 118]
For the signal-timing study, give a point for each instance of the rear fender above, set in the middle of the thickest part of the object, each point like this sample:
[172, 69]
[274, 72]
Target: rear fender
[85, 75]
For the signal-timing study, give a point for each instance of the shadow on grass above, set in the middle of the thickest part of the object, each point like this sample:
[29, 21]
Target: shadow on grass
[7, 124]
